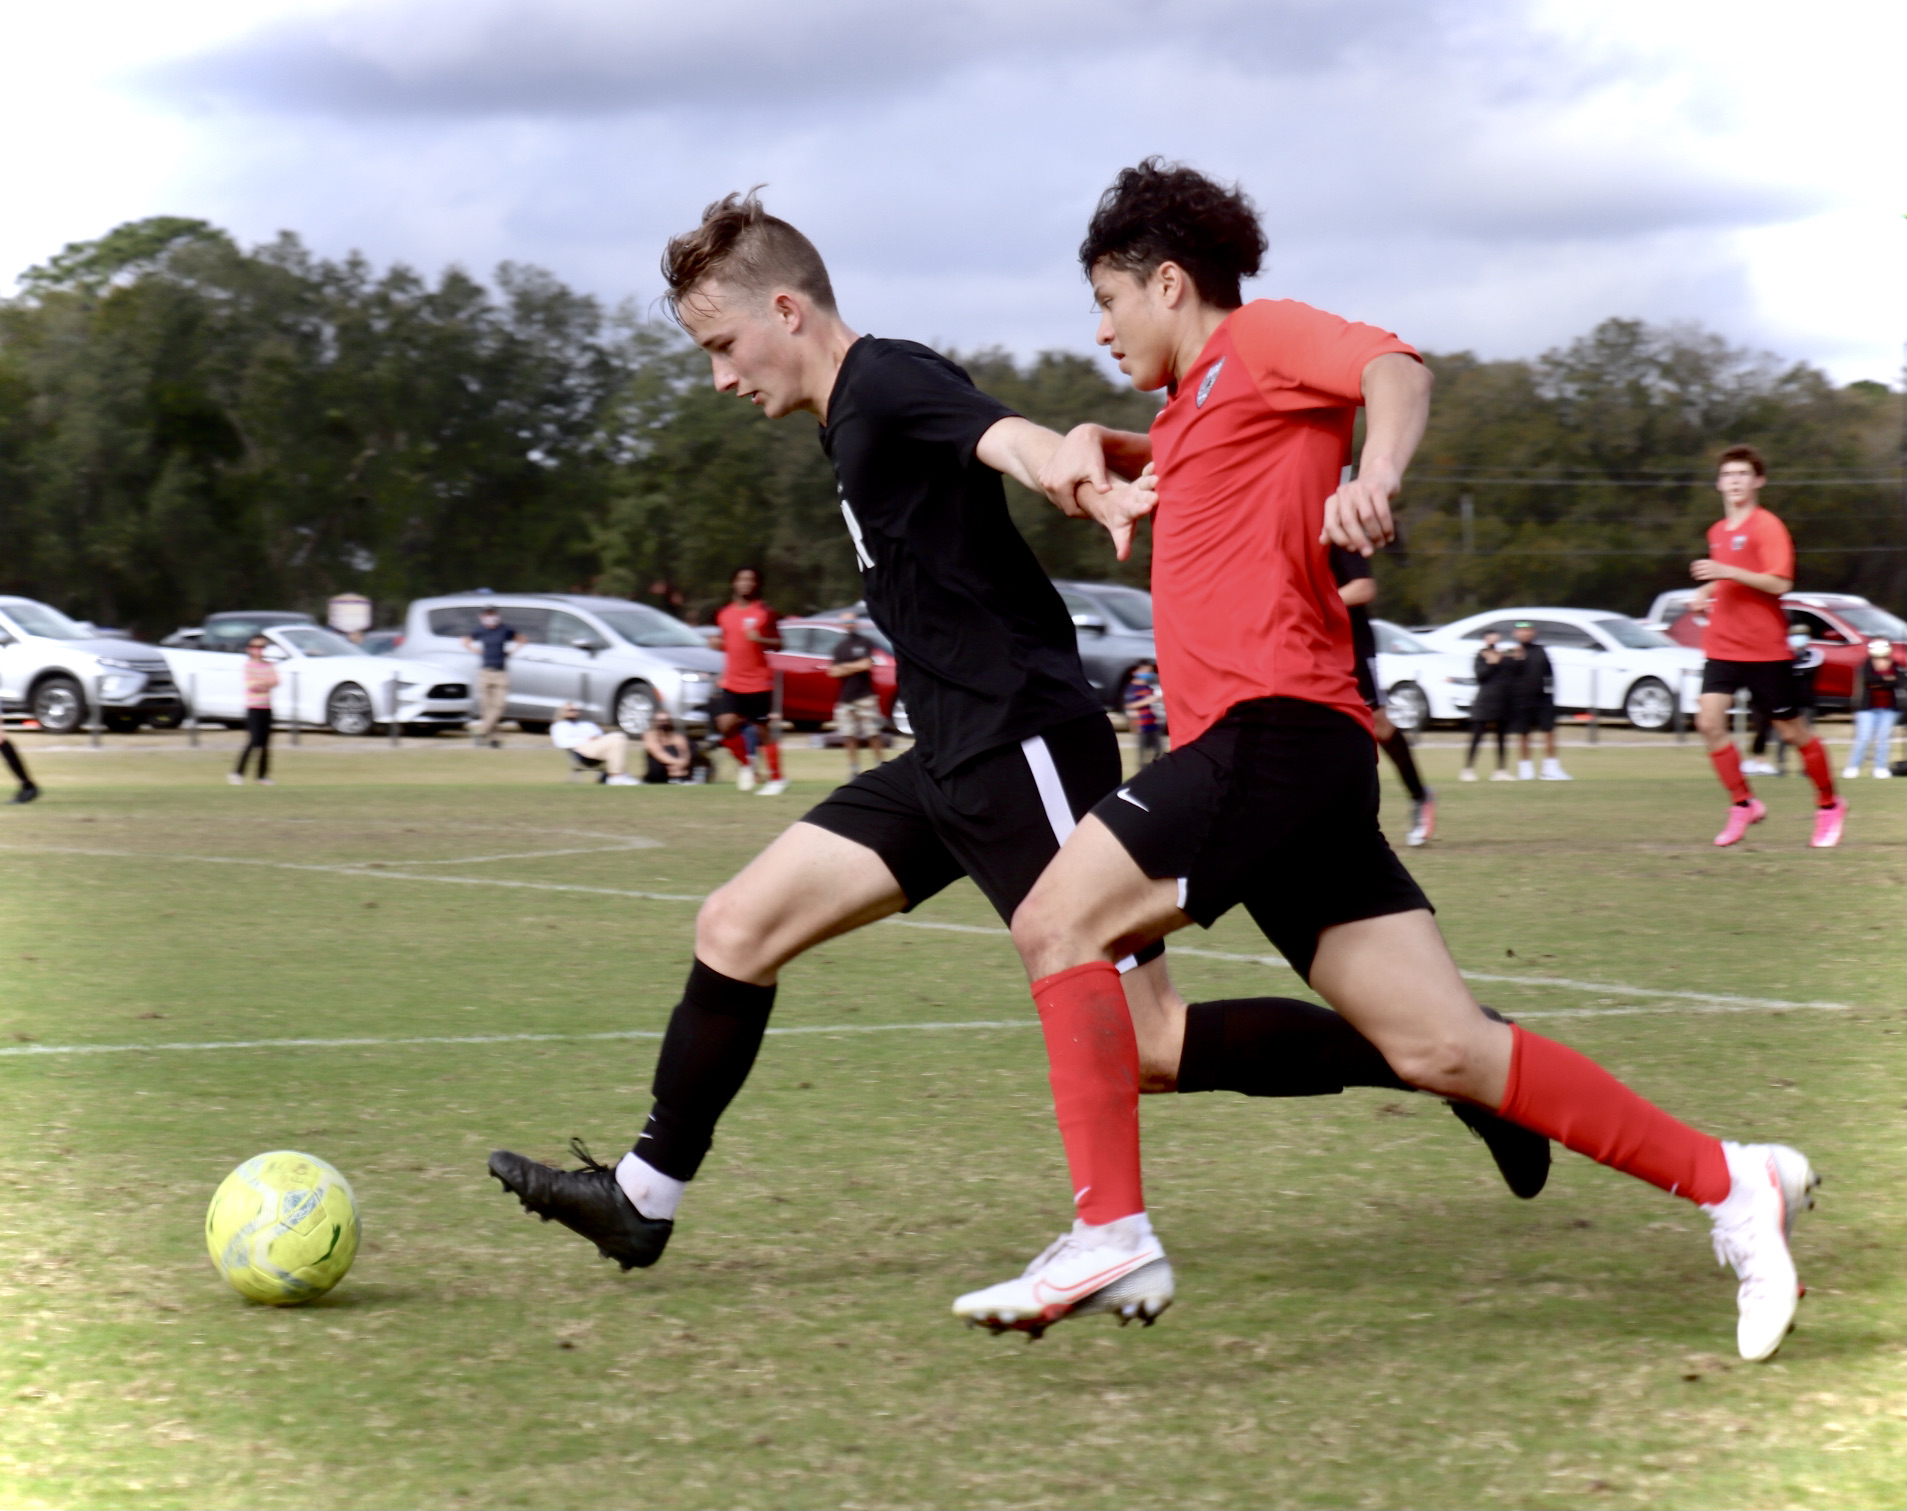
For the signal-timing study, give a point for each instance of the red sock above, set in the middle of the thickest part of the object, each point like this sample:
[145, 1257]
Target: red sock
[1553, 1090]
[736, 746]
[773, 751]
[1093, 1060]
[1814, 759]
[1728, 767]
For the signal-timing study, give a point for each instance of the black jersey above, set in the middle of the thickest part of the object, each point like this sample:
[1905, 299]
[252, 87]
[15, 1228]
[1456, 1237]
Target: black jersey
[988, 654]
[1349, 566]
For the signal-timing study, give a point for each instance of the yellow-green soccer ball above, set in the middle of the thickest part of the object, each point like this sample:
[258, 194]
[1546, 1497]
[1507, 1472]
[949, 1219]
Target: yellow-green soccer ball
[283, 1228]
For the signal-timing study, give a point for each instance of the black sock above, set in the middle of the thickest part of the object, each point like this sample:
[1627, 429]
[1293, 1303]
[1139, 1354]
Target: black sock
[1397, 747]
[713, 1038]
[1277, 1047]
[14, 763]
[1476, 739]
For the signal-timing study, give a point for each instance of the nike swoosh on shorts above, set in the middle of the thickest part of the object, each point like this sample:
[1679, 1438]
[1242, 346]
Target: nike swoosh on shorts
[1126, 793]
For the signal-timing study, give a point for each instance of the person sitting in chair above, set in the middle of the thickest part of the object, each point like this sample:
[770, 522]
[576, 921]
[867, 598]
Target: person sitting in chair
[584, 739]
[672, 755]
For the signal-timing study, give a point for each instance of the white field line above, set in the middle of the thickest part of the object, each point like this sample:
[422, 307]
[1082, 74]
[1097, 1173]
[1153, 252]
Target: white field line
[474, 860]
[1711, 1001]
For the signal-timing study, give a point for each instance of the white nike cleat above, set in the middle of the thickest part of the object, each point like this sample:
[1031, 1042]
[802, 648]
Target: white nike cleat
[771, 789]
[1771, 1185]
[745, 778]
[1118, 1268]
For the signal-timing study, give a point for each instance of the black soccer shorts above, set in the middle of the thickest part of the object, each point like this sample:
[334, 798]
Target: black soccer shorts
[1772, 686]
[753, 708]
[1275, 807]
[1525, 717]
[999, 818]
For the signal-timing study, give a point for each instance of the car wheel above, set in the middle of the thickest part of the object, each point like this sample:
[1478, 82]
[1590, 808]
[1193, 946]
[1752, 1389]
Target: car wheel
[898, 718]
[635, 709]
[348, 710]
[1649, 705]
[1407, 706]
[58, 705]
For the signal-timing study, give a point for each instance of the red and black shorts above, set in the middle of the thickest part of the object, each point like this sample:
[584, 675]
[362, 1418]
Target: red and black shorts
[753, 708]
[1275, 807]
[1772, 686]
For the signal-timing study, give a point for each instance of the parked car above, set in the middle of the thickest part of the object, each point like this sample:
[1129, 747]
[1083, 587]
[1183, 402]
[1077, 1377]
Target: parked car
[1114, 625]
[807, 651]
[616, 659]
[381, 642]
[51, 669]
[323, 679]
[1596, 656]
[1838, 624]
[1422, 685]
[230, 629]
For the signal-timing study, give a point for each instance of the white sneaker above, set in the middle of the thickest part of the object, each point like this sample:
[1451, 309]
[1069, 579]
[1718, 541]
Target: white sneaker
[1119, 1267]
[1500, 775]
[235, 779]
[772, 789]
[1525, 771]
[266, 781]
[1753, 767]
[1468, 774]
[624, 780]
[1848, 773]
[1882, 774]
[1772, 1185]
[745, 778]
[1553, 771]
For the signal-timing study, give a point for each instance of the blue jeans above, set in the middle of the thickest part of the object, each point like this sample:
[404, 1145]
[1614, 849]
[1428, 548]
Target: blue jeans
[1872, 725]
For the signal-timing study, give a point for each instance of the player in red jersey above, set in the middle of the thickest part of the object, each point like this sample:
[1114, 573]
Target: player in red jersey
[1750, 564]
[1269, 796]
[747, 695]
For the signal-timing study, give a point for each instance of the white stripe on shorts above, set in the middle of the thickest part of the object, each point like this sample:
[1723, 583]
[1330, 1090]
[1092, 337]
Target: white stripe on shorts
[1059, 812]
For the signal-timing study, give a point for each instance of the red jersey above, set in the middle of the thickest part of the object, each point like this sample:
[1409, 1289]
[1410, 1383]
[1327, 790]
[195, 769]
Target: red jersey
[1247, 451]
[745, 662]
[1745, 624]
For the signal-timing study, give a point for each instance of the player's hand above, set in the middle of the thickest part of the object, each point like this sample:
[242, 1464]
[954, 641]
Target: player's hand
[1078, 463]
[1705, 570]
[1120, 508]
[1358, 516]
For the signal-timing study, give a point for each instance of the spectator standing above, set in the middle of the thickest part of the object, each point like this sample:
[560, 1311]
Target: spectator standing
[28, 791]
[747, 692]
[586, 738]
[1533, 704]
[1879, 686]
[260, 678]
[1490, 707]
[493, 641]
[1145, 709]
[857, 708]
[672, 756]
[1358, 589]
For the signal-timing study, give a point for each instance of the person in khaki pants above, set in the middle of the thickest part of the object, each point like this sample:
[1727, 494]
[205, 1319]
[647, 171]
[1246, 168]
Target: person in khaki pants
[493, 640]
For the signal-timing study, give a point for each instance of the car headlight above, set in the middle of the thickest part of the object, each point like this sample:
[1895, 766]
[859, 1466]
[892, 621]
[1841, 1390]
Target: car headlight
[688, 677]
[121, 685]
[116, 664]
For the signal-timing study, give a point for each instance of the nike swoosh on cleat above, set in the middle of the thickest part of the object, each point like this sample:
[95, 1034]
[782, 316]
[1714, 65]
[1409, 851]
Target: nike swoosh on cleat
[1126, 794]
[1045, 1292]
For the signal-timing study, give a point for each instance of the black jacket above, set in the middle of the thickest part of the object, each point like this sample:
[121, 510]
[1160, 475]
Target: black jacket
[1531, 682]
[1493, 690]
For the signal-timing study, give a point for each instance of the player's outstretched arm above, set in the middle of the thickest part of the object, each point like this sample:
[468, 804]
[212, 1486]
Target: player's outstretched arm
[1396, 392]
[1024, 452]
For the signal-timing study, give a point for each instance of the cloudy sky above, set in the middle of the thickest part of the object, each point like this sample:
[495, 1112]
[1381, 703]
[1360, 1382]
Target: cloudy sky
[1489, 174]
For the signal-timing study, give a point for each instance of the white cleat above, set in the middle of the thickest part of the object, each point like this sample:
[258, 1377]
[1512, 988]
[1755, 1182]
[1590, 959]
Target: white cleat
[622, 779]
[1849, 773]
[772, 789]
[1882, 774]
[745, 778]
[1118, 1268]
[1772, 1185]
[1553, 771]
[1753, 767]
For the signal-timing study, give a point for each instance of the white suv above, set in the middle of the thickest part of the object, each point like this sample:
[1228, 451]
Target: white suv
[615, 659]
[52, 669]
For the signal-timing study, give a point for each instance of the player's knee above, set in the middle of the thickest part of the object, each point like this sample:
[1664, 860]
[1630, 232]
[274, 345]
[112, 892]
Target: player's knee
[1040, 930]
[1445, 1064]
[726, 936]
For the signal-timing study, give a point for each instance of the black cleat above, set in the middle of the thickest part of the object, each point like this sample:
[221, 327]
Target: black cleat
[586, 1201]
[1522, 1156]
[27, 793]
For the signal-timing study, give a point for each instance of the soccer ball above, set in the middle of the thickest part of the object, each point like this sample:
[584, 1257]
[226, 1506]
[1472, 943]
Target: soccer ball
[282, 1228]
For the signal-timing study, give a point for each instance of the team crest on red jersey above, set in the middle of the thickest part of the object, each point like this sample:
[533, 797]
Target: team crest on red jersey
[1205, 388]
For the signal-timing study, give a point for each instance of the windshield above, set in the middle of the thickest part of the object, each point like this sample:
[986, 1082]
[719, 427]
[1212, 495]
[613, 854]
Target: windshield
[1129, 606]
[38, 619]
[640, 625]
[1393, 641]
[308, 640]
[1632, 636]
[1864, 617]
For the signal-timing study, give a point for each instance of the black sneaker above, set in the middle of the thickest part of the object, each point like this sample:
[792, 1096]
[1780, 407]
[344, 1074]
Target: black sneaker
[1522, 1156]
[27, 793]
[586, 1201]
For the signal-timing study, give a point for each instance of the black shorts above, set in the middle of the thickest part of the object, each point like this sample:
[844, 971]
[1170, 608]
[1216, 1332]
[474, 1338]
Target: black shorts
[1772, 686]
[1525, 717]
[1000, 818]
[753, 707]
[1275, 807]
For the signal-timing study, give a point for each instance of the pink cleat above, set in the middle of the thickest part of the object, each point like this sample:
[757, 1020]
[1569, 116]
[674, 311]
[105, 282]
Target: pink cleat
[1741, 815]
[1827, 824]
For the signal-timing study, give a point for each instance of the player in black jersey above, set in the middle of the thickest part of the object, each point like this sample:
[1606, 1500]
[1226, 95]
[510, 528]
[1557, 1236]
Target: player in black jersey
[1358, 589]
[1011, 745]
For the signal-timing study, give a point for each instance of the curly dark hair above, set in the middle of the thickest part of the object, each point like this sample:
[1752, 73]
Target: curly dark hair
[1166, 212]
[740, 243]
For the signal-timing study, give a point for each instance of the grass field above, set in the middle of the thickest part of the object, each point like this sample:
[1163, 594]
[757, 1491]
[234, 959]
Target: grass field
[1365, 1317]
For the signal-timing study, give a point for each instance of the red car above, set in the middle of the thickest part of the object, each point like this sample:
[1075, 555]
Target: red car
[807, 651]
[1839, 624]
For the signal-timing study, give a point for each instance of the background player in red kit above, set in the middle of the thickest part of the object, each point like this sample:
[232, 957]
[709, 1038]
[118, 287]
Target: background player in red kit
[1269, 798]
[1750, 564]
[748, 682]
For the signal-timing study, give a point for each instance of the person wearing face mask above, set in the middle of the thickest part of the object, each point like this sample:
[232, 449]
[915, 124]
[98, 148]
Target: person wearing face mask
[1879, 687]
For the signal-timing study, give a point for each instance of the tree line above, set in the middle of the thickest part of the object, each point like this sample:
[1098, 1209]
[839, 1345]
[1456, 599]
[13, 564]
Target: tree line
[187, 426]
